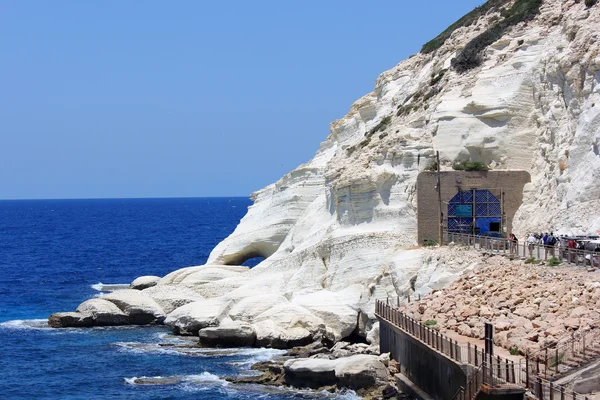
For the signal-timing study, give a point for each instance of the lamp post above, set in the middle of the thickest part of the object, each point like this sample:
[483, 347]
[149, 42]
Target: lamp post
[439, 191]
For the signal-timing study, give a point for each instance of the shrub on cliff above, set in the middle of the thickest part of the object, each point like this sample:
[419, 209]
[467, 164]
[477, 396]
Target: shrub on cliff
[429, 242]
[589, 3]
[470, 166]
[466, 20]
[471, 56]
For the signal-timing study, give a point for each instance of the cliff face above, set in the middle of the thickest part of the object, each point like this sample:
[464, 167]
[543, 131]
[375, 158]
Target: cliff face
[339, 231]
[533, 104]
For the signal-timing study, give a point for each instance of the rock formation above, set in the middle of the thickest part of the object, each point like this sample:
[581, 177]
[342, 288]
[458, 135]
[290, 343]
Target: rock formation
[339, 231]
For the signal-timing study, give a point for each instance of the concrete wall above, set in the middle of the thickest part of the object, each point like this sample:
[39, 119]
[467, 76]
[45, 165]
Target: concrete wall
[437, 375]
[507, 185]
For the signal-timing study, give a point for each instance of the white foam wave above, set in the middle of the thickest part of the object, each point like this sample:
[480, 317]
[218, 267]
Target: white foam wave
[26, 324]
[37, 324]
[205, 378]
[109, 287]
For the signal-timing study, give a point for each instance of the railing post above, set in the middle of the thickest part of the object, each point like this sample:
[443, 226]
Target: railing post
[551, 392]
[546, 364]
[499, 367]
[557, 361]
[527, 370]
[562, 393]
[540, 391]
[469, 352]
[583, 338]
[476, 352]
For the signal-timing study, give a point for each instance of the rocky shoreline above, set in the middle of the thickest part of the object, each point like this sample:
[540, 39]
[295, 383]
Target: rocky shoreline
[317, 367]
[314, 361]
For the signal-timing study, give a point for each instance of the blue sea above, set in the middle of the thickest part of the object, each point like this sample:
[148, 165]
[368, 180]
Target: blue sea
[55, 254]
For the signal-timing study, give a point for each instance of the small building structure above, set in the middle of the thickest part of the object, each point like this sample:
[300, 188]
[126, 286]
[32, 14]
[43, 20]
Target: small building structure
[473, 202]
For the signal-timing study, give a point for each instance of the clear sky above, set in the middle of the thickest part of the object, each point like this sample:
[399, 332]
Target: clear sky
[187, 98]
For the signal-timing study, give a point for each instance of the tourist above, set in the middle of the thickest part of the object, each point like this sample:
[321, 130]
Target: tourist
[513, 243]
[532, 240]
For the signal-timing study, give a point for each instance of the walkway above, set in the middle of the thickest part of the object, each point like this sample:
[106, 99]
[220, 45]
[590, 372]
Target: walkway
[523, 250]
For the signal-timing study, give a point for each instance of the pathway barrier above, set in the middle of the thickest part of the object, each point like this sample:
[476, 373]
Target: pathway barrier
[490, 370]
[525, 250]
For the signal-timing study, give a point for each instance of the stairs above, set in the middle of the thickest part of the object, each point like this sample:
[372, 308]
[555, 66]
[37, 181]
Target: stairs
[573, 356]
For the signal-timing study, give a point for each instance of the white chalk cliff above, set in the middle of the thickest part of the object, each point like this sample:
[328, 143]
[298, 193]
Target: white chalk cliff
[340, 231]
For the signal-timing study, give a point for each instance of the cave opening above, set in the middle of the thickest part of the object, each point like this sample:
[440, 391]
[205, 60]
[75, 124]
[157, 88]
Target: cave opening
[253, 262]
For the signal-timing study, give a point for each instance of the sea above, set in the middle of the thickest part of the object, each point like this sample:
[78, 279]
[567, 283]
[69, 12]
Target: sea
[55, 254]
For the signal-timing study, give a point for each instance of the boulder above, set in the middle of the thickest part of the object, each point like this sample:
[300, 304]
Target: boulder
[355, 372]
[140, 307]
[210, 274]
[190, 318]
[144, 282]
[228, 334]
[178, 276]
[269, 334]
[288, 315]
[360, 371]
[337, 315]
[103, 312]
[247, 308]
[373, 334]
[170, 297]
[70, 319]
[310, 372]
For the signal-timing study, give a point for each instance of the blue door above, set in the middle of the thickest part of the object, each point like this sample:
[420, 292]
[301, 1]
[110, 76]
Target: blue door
[473, 212]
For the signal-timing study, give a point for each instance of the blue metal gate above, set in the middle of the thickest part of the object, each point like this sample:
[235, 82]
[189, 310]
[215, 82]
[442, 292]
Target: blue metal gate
[473, 211]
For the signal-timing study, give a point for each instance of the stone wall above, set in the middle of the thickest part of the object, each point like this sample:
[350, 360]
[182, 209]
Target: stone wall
[505, 185]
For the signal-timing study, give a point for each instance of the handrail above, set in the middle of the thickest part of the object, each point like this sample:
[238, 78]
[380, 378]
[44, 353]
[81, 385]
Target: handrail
[526, 250]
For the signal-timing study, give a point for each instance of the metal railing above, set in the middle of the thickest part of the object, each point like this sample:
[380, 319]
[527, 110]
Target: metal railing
[524, 249]
[569, 352]
[505, 370]
[491, 370]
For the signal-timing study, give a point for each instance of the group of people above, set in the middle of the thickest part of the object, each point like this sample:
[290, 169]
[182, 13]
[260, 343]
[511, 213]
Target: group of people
[546, 239]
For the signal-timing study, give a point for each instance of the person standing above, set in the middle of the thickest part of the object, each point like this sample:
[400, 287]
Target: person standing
[531, 242]
[513, 243]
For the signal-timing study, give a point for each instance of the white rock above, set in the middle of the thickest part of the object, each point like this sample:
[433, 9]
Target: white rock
[228, 334]
[340, 317]
[190, 318]
[103, 312]
[144, 282]
[360, 371]
[170, 297]
[140, 307]
[250, 307]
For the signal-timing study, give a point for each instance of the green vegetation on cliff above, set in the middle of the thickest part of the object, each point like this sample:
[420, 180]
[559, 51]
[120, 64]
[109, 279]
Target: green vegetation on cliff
[470, 57]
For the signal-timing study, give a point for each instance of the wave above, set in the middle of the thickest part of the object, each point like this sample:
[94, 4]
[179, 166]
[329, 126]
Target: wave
[205, 378]
[20, 324]
[36, 325]
[178, 347]
[109, 287]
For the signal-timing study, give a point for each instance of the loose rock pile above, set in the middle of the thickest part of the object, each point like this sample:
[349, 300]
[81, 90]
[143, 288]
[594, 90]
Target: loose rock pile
[531, 306]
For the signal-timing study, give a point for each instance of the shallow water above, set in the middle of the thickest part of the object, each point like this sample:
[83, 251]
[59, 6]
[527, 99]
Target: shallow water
[54, 254]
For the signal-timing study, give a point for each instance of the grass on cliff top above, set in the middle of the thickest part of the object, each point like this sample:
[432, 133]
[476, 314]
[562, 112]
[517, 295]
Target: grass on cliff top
[466, 20]
[471, 56]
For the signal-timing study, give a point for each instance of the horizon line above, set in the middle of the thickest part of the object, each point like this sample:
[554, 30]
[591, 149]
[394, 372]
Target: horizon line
[129, 198]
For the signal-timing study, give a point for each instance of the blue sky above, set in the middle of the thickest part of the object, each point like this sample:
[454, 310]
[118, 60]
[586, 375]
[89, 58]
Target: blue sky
[187, 98]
